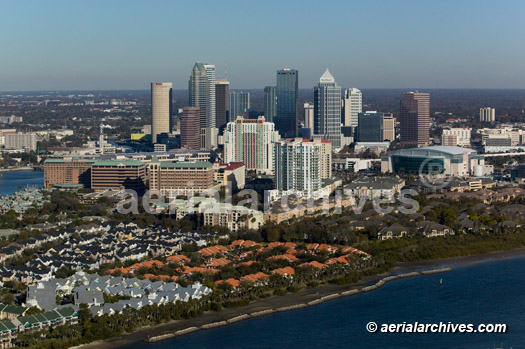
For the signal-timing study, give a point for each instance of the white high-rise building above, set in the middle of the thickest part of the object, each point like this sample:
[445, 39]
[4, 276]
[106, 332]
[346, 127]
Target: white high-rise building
[298, 166]
[327, 109]
[251, 141]
[456, 136]
[26, 141]
[201, 88]
[487, 114]
[309, 116]
[160, 109]
[352, 106]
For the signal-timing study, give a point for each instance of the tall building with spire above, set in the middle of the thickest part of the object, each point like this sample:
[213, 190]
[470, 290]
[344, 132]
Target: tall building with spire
[160, 109]
[287, 102]
[327, 109]
[414, 118]
[201, 88]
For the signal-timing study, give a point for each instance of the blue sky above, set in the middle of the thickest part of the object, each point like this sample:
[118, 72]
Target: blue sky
[96, 44]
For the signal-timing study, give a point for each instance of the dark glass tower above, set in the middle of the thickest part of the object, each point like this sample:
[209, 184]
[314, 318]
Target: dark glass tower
[287, 102]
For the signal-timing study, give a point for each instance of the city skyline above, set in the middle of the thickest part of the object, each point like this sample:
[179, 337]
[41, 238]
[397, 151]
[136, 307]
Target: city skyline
[444, 44]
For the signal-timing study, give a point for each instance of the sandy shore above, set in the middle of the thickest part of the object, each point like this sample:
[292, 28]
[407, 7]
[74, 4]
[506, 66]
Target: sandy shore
[297, 300]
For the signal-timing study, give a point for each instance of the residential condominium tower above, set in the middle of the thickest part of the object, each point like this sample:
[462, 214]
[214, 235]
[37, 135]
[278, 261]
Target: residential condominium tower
[327, 109]
[298, 166]
[160, 109]
[251, 141]
[487, 114]
[287, 102]
[414, 117]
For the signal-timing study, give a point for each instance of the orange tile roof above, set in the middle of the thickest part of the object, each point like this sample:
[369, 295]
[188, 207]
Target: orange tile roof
[284, 271]
[314, 264]
[248, 262]
[255, 277]
[218, 262]
[287, 257]
[179, 259]
[231, 281]
[210, 251]
[337, 260]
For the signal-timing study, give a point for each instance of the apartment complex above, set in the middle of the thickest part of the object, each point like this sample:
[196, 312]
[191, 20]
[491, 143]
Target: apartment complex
[114, 174]
[20, 141]
[487, 114]
[456, 137]
[298, 166]
[233, 173]
[67, 171]
[180, 178]
[251, 141]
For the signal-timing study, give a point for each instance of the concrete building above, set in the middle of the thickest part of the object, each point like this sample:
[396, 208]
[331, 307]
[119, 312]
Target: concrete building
[222, 103]
[370, 127]
[190, 128]
[287, 102]
[352, 106]
[270, 102]
[67, 171]
[114, 174]
[20, 141]
[233, 217]
[233, 173]
[298, 167]
[251, 141]
[309, 116]
[450, 161]
[372, 187]
[414, 117]
[327, 109]
[239, 104]
[456, 137]
[487, 114]
[180, 178]
[161, 94]
[389, 127]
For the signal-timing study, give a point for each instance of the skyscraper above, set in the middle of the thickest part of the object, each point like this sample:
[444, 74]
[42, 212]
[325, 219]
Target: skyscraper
[309, 115]
[287, 102]
[487, 114]
[389, 127]
[239, 104]
[202, 94]
[270, 102]
[352, 106]
[251, 141]
[298, 166]
[160, 109]
[414, 117]
[370, 127]
[327, 109]
[222, 102]
[190, 128]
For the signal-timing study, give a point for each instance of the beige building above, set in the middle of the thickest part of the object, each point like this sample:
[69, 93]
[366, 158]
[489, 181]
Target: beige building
[389, 127]
[180, 178]
[160, 108]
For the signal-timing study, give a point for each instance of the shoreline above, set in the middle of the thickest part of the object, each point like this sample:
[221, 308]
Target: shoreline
[25, 168]
[292, 301]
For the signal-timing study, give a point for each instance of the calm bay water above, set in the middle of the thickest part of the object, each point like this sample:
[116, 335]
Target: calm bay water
[10, 181]
[491, 292]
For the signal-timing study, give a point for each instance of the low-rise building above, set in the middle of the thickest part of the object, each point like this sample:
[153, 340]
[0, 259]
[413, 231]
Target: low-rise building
[114, 174]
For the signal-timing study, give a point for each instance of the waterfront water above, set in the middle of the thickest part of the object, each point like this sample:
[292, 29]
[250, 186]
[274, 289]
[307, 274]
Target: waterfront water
[491, 292]
[10, 181]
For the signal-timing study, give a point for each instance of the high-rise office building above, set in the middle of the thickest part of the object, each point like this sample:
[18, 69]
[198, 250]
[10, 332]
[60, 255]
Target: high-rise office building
[202, 93]
[370, 127]
[309, 116]
[487, 114]
[239, 104]
[298, 166]
[190, 130]
[252, 142]
[414, 117]
[222, 102]
[287, 102]
[389, 127]
[352, 106]
[270, 102]
[160, 109]
[327, 109]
